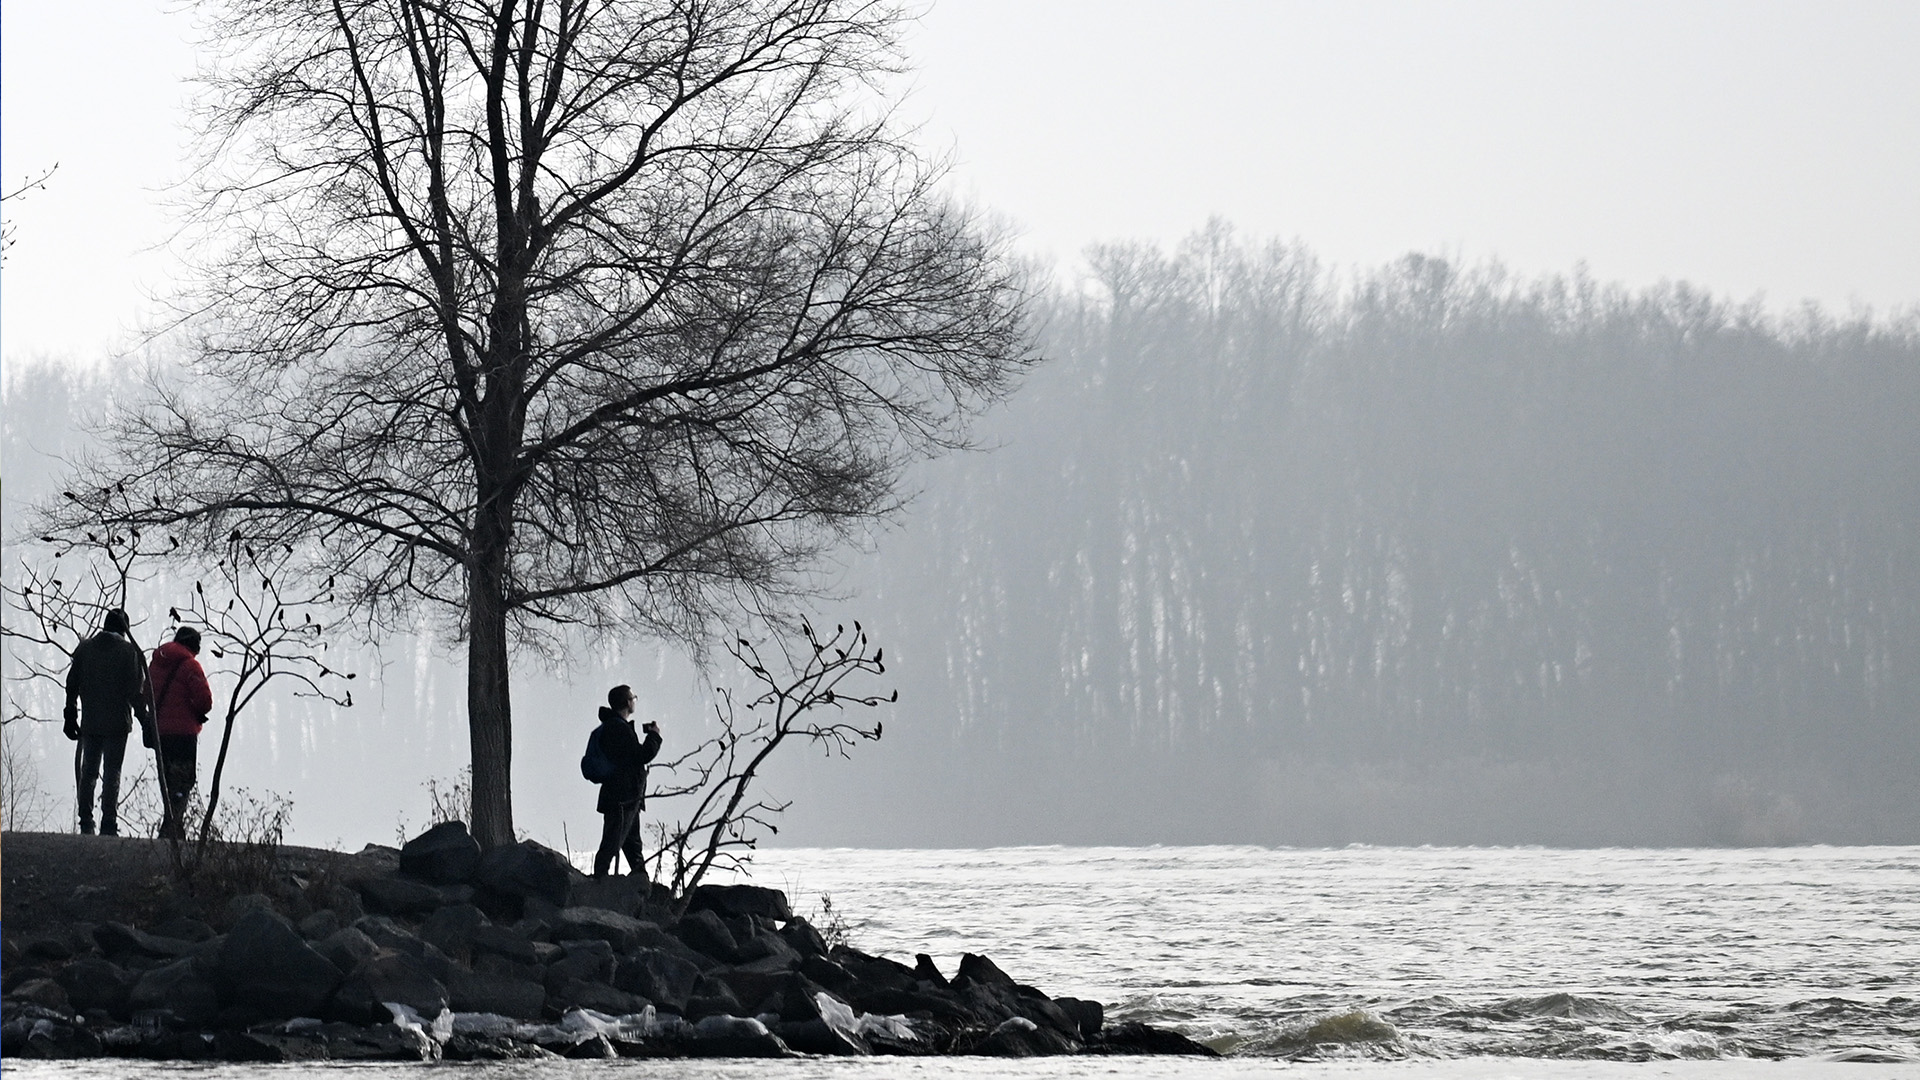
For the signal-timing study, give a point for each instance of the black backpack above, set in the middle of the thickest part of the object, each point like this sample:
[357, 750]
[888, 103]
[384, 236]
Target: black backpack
[595, 765]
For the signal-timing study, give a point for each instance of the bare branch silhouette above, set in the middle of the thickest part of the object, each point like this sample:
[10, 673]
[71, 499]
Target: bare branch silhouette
[801, 694]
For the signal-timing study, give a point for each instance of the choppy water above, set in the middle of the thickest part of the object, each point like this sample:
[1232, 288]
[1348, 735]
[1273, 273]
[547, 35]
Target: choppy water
[1609, 954]
[1400, 962]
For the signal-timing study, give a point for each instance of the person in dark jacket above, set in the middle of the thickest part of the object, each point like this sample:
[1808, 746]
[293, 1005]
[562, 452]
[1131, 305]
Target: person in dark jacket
[623, 797]
[108, 681]
[181, 700]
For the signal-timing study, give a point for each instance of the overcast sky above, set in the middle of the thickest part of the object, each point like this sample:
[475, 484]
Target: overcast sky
[1748, 147]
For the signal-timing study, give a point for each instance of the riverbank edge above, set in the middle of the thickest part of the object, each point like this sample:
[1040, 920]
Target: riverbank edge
[125, 947]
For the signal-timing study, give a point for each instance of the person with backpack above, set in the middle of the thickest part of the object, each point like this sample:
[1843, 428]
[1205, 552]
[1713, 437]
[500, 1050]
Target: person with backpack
[616, 759]
[106, 689]
[181, 700]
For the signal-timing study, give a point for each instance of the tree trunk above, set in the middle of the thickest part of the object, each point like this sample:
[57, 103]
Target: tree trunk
[489, 707]
[213, 788]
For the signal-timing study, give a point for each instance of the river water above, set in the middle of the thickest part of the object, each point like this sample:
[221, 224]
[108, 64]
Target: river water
[1401, 962]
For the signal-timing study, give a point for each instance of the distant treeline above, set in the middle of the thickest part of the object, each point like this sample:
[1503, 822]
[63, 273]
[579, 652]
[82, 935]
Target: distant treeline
[1266, 553]
[1433, 554]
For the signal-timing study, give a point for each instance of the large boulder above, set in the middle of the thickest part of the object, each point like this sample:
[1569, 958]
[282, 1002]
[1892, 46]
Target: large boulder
[827, 973]
[399, 896]
[787, 993]
[270, 1045]
[803, 938]
[623, 932]
[184, 928]
[766, 949]
[590, 960]
[527, 871]
[391, 935]
[819, 1037]
[503, 995]
[1133, 1037]
[711, 997]
[1037, 1007]
[347, 949]
[443, 855]
[239, 907]
[267, 968]
[52, 1035]
[737, 900]
[927, 971]
[977, 968]
[376, 1042]
[341, 899]
[942, 1005]
[492, 1046]
[705, 932]
[652, 937]
[593, 1047]
[662, 977]
[502, 941]
[1020, 1037]
[178, 988]
[721, 1035]
[320, 925]
[450, 929]
[993, 1004]
[624, 893]
[601, 998]
[92, 983]
[876, 970]
[1089, 1015]
[45, 993]
[120, 940]
[389, 976]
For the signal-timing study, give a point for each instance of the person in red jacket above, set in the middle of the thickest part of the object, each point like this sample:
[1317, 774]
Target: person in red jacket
[181, 700]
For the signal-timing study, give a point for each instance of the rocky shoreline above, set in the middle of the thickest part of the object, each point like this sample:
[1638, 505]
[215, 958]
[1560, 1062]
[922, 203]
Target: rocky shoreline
[438, 951]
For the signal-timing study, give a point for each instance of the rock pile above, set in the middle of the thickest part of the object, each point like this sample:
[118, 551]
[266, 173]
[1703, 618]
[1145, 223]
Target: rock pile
[440, 951]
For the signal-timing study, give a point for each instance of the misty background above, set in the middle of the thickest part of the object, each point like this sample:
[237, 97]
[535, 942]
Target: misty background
[1272, 548]
[1274, 552]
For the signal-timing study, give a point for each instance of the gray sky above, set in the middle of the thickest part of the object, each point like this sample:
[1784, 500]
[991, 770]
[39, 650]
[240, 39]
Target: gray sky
[1749, 147]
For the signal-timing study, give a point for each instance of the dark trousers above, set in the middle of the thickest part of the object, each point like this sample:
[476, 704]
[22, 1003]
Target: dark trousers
[100, 760]
[619, 835]
[178, 772]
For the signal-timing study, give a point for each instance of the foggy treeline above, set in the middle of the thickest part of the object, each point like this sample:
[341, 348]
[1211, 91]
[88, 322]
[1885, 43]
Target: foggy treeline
[1268, 553]
[1430, 555]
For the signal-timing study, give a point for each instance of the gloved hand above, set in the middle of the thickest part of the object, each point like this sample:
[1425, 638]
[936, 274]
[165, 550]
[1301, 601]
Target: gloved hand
[72, 727]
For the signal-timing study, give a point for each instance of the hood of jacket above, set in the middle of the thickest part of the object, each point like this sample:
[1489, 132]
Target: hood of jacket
[608, 716]
[166, 658]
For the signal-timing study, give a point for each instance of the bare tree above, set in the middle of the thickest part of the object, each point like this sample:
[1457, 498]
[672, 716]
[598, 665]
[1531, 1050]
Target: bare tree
[62, 589]
[59, 597]
[562, 314]
[265, 634]
[805, 700]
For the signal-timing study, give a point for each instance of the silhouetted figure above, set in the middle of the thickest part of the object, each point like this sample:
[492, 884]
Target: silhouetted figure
[624, 795]
[107, 679]
[181, 700]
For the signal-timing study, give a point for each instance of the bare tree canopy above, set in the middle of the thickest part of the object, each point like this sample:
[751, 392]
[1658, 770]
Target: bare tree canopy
[562, 313]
